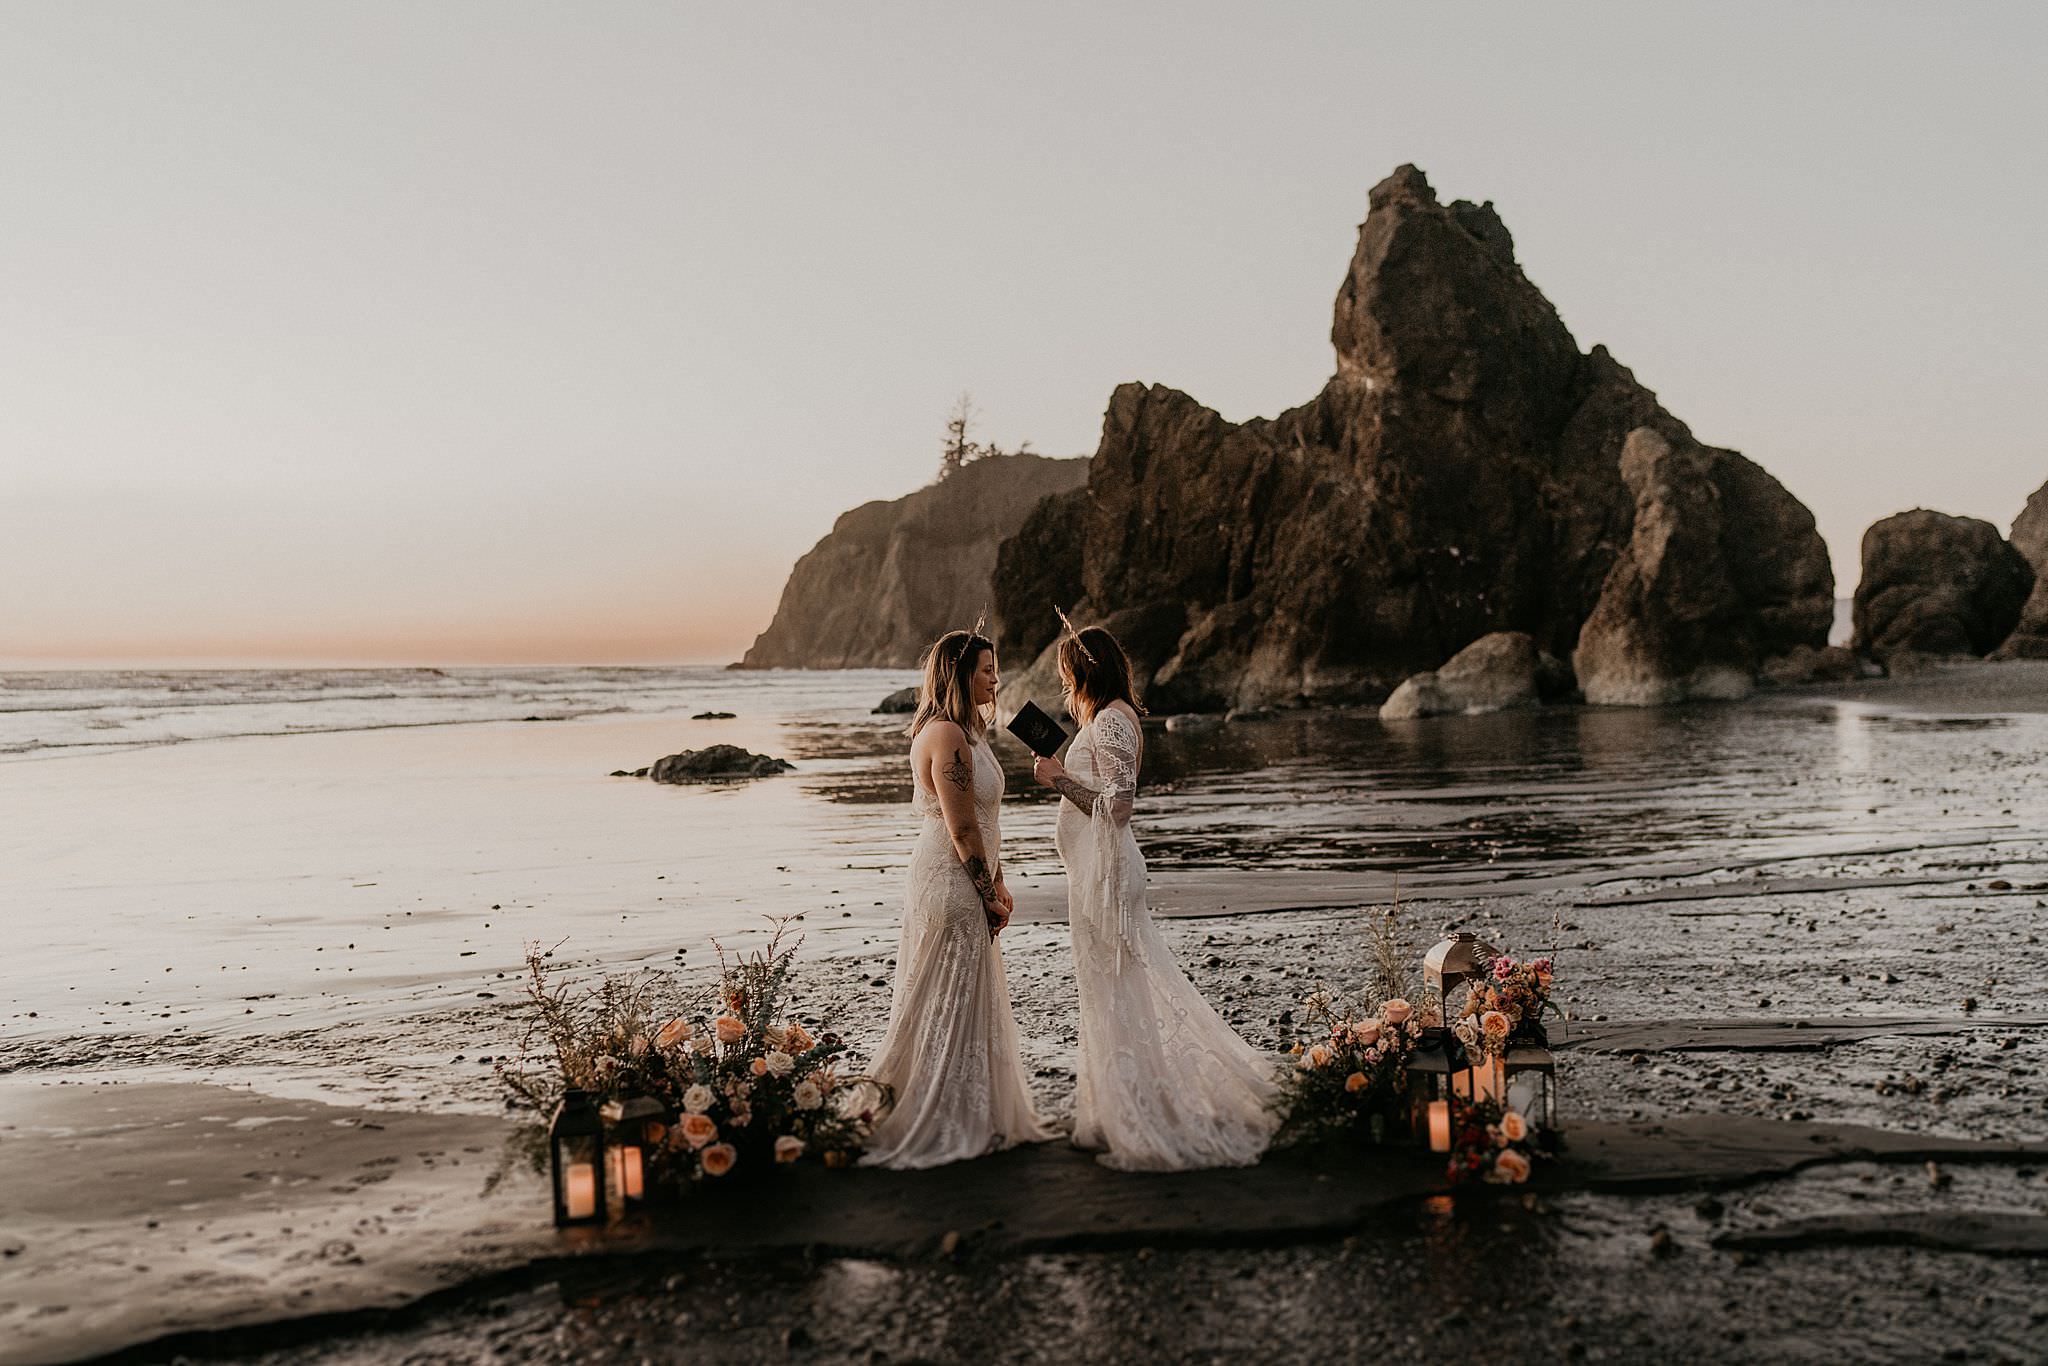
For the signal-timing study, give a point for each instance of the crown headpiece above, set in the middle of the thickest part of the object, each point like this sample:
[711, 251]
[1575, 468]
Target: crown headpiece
[1074, 634]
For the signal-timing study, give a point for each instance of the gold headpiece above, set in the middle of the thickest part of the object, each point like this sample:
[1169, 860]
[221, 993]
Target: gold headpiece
[1073, 632]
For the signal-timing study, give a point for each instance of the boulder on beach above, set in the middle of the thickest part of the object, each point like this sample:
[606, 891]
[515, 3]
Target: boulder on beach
[1804, 664]
[1938, 585]
[1723, 570]
[1493, 673]
[1461, 474]
[2029, 640]
[714, 763]
[902, 700]
[892, 577]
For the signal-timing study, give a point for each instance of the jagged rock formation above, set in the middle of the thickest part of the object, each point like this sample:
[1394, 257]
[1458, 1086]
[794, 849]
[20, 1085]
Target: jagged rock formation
[1939, 585]
[2029, 640]
[1460, 474]
[891, 577]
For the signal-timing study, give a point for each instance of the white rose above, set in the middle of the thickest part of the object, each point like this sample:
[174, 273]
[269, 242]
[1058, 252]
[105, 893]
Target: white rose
[698, 1099]
[780, 1063]
[808, 1096]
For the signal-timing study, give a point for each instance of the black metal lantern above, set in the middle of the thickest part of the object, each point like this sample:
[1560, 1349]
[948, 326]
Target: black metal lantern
[1531, 1075]
[577, 1159]
[1440, 1078]
[637, 1126]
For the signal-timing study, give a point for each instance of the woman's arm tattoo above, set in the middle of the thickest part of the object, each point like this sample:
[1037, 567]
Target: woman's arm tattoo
[978, 874]
[960, 772]
[1075, 793]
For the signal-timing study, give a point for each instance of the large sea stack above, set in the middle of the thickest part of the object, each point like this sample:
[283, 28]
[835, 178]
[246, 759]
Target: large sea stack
[2029, 640]
[1938, 585]
[892, 576]
[1466, 470]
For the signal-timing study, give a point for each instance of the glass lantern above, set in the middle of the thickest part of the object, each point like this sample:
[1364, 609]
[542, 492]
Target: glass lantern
[635, 1129]
[1451, 963]
[1440, 1077]
[577, 1161]
[1530, 1071]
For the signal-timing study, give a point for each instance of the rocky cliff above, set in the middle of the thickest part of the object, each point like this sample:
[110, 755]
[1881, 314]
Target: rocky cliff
[892, 576]
[1462, 473]
[2029, 639]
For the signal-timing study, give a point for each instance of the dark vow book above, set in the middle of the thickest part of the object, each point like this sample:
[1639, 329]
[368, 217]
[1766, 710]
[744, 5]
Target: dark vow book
[1040, 732]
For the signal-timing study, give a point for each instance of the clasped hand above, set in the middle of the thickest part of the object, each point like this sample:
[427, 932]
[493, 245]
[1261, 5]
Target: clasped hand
[999, 911]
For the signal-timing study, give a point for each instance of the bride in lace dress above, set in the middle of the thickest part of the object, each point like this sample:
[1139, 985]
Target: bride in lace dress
[1165, 1083]
[951, 1050]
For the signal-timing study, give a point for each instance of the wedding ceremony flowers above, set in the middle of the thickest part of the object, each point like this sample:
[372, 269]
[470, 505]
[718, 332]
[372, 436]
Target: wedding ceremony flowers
[1508, 1004]
[1352, 1080]
[743, 1087]
[1490, 1143]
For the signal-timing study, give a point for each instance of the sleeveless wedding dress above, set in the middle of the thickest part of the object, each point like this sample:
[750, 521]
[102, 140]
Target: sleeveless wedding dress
[1165, 1083]
[951, 1051]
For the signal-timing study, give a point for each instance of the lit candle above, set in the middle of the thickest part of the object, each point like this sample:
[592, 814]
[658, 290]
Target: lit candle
[1439, 1126]
[1491, 1079]
[630, 1182]
[581, 1180]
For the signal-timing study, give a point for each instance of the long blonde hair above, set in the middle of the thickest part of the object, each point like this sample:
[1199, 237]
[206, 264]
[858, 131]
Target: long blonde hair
[947, 693]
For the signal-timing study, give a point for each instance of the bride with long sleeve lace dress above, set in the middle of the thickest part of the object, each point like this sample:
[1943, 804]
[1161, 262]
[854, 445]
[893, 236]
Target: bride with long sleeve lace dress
[1165, 1083]
[951, 1053]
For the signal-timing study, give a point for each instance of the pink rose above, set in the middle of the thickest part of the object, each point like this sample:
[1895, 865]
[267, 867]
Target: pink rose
[673, 1033]
[717, 1159]
[1366, 1032]
[1397, 1011]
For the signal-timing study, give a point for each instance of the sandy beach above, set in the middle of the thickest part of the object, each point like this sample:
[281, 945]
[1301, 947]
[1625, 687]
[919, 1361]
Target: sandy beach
[1815, 909]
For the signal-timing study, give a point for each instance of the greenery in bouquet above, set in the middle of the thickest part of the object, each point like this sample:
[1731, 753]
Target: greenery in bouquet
[1351, 1073]
[745, 1086]
[1490, 1143]
[1507, 1004]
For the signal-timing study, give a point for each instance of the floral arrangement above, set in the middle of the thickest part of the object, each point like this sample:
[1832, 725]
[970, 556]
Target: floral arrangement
[1490, 1143]
[1354, 1077]
[747, 1088]
[1507, 1004]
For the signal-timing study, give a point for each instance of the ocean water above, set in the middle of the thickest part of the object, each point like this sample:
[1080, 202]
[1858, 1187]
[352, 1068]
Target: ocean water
[330, 876]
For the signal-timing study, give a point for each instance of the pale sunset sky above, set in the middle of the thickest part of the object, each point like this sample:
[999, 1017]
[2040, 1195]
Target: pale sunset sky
[434, 333]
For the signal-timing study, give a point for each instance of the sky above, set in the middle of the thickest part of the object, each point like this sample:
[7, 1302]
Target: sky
[501, 332]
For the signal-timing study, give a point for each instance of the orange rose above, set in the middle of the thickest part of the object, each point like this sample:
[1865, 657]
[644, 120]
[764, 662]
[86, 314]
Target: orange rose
[673, 1033]
[717, 1159]
[729, 1029]
[1355, 1082]
[759, 1067]
[798, 1041]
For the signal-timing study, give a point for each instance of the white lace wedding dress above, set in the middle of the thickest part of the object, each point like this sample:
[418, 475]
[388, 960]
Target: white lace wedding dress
[951, 1050]
[1165, 1083]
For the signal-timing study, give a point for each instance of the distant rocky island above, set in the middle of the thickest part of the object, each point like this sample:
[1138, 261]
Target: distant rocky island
[1467, 478]
[893, 576]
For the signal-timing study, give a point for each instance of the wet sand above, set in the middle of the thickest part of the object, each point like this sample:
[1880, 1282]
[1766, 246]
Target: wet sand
[1782, 944]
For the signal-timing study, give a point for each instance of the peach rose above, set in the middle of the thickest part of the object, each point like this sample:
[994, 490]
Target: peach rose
[1318, 1056]
[1510, 1166]
[1513, 1127]
[1366, 1032]
[729, 1029]
[759, 1067]
[1495, 1025]
[1397, 1011]
[717, 1159]
[780, 1063]
[773, 1035]
[674, 1032]
[699, 1098]
[1355, 1082]
[797, 1040]
[788, 1148]
[698, 1130]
